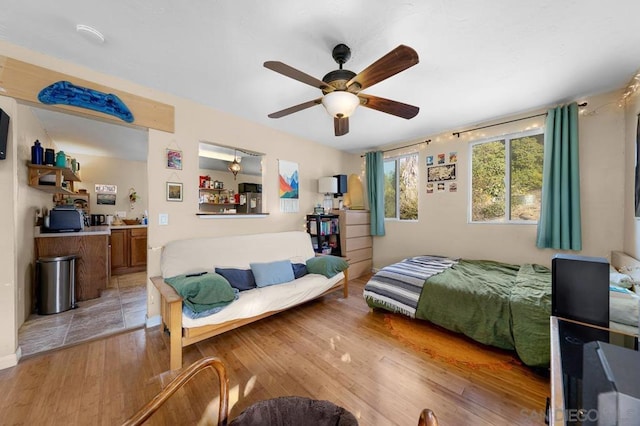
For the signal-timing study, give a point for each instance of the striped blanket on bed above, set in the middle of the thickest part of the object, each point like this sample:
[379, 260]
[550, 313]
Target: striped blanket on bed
[397, 287]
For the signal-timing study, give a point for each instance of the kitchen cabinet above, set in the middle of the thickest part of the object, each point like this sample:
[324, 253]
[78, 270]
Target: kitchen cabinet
[138, 247]
[356, 241]
[91, 249]
[128, 250]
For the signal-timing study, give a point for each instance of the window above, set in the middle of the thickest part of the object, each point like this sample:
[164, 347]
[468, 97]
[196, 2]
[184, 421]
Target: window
[401, 188]
[506, 178]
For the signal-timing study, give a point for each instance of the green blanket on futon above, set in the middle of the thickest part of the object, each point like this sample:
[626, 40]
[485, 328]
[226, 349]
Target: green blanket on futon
[498, 304]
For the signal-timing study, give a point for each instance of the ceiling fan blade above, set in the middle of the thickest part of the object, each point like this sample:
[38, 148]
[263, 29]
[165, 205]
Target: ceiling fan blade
[387, 105]
[291, 72]
[341, 125]
[399, 59]
[295, 108]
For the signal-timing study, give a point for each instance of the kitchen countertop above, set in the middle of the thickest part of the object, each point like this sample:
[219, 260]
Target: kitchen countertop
[87, 231]
[127, 226]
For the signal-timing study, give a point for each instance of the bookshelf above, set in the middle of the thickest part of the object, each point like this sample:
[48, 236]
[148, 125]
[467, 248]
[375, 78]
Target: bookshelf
[325, 233]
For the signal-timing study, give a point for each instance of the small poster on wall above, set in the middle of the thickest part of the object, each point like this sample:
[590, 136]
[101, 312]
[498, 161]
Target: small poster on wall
[288, 184]
[106, 194]
[429, 188]
[441, 173]
[174, 159]
[453, 187]
[453, 157]
[441, 158]
[429, 160]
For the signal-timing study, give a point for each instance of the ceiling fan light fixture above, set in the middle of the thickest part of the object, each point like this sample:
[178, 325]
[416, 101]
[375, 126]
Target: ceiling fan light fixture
[340, 104]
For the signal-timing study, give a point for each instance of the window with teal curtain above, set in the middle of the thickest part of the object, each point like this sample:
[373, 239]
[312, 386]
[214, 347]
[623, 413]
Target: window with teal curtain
[375, 190]
[559, 226]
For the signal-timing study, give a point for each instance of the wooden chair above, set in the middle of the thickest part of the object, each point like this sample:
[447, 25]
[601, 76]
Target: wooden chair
[180, 380]
[427, 418]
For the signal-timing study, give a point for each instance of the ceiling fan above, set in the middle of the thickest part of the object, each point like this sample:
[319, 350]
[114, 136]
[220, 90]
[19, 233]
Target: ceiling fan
[341, 88]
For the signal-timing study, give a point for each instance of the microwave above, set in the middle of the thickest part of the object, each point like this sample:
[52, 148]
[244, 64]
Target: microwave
[250, 187]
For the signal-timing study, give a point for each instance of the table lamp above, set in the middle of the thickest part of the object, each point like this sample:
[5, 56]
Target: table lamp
[328, 186]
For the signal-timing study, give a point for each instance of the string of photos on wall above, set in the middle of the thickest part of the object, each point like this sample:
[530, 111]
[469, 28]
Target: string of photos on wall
[441, 175]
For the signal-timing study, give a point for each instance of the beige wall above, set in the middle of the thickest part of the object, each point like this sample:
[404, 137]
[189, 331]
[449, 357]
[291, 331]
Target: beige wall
[631, 223]
[8, 267]
[443, 227]
[29, 200]
[192, 123]
[114, 171]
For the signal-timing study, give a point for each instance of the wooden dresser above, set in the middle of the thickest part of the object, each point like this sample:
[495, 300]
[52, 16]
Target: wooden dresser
[355, 240]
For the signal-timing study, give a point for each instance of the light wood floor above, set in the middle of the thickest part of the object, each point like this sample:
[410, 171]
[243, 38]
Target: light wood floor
[332, 349]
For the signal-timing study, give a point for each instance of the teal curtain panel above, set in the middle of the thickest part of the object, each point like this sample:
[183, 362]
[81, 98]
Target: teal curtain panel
[375, 190]
[559, 226]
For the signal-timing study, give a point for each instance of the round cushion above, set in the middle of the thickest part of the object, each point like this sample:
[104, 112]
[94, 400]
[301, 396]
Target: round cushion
[294, 410]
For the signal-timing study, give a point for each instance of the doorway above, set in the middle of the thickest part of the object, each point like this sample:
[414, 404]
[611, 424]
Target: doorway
[108, 154]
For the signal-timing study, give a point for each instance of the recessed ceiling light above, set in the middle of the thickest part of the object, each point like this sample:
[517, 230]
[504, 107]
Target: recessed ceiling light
[90, 32]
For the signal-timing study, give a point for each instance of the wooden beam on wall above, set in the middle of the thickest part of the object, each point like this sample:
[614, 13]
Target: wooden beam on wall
[24, 81]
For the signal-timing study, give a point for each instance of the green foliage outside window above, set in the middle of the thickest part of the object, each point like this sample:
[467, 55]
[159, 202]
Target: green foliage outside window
[401, 188]
[389, 189]
[507, 188]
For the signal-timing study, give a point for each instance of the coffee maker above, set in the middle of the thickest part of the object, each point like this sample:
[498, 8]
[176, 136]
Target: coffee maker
[98, 220]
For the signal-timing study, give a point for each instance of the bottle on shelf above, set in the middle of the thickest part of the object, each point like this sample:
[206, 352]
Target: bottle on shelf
[37, 153]
[61, 159]
[49, 157]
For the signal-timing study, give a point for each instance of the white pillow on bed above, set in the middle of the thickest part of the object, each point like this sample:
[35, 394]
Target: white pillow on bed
[624, 306]
[619, 279]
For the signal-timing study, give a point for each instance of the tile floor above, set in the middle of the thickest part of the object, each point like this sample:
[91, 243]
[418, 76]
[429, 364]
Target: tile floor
[120, 307]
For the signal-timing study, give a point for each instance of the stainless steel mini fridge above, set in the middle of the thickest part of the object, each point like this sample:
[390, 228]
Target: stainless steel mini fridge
[250, 202]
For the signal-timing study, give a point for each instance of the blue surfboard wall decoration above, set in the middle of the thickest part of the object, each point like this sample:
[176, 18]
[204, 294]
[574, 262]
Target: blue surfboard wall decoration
[67, 93]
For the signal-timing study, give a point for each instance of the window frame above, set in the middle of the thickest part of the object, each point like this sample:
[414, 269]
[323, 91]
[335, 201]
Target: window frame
[507, 137]
[396, 159]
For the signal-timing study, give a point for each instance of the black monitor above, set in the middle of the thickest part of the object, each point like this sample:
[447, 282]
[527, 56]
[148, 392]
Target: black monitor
[4, 134]
[580, 288]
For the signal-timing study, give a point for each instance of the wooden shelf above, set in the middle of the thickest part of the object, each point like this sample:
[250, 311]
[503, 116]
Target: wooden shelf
[219, 204]
[36, 171]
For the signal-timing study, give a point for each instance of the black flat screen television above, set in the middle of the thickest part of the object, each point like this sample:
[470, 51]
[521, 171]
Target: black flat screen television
[580, 288]
[4, 134]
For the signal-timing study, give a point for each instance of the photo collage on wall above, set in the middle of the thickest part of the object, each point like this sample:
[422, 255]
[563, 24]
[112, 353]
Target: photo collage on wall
[441, 173]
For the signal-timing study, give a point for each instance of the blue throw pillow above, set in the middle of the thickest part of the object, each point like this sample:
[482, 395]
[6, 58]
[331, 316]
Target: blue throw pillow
[327, 265]
[272, 273]
[299, 270]
[242, 279]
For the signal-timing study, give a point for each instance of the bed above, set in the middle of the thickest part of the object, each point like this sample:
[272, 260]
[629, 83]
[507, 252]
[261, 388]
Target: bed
[498, 304]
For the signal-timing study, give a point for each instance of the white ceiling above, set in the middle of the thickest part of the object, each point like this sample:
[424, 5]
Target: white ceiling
[479, 60]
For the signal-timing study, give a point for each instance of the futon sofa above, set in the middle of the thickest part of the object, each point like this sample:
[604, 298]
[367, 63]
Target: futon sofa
[183, 259]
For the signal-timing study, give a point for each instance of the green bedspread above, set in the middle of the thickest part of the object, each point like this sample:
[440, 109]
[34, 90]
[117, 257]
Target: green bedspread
[498, 304]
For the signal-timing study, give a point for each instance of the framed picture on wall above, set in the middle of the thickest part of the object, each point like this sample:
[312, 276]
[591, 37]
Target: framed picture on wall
[174, 159]
[174, 191]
